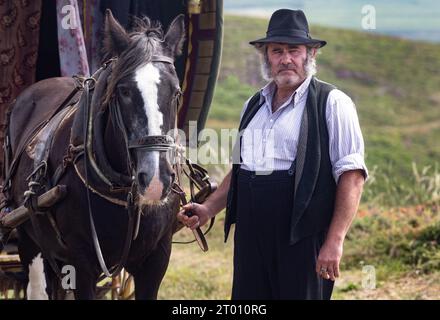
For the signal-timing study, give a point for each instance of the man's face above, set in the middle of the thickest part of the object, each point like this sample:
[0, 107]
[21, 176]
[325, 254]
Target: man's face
[287, 63]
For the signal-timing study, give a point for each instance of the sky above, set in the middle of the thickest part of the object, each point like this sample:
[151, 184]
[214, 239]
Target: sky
[411, 19]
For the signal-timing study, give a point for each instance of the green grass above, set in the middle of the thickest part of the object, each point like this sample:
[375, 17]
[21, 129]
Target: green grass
[385, 185]
[227, 96]
[193, 274]
[395, 242]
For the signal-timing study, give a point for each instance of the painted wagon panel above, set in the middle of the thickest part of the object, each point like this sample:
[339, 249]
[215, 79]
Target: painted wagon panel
[205, 33]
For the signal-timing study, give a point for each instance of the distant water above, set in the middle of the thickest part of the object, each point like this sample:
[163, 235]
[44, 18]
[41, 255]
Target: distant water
[410, 19]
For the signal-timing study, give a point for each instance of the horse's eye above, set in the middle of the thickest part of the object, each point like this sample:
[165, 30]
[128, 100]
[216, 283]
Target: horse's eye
[125, 92]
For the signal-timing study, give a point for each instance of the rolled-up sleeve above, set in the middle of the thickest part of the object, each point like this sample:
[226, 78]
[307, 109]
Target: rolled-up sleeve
[346, 143]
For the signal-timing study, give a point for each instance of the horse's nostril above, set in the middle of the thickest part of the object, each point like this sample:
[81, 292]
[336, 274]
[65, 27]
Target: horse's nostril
[142, 179]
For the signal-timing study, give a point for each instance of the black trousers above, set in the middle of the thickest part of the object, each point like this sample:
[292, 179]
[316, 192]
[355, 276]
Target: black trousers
[265, 265]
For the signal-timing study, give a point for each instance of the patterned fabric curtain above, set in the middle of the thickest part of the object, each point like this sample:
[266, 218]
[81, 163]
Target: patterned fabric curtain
[19, 34]
[19, 27]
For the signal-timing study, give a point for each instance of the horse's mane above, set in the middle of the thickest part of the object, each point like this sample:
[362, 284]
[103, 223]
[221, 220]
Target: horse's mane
[145, 39]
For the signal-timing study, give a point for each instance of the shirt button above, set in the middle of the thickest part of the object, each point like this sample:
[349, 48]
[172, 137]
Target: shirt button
[271, 120]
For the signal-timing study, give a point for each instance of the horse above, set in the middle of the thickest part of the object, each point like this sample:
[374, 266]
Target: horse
[111, 142]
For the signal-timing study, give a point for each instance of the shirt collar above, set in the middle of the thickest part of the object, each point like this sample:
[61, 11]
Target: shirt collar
[304, 87]
[268, 90]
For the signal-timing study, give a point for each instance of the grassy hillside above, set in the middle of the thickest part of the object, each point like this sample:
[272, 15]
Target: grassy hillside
[394, 84]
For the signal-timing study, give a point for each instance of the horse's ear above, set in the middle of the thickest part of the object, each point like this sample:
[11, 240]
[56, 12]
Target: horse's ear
[175, 36]
[116, 38]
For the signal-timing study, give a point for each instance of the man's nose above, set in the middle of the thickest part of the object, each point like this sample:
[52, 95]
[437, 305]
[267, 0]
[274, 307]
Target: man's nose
[285, 58]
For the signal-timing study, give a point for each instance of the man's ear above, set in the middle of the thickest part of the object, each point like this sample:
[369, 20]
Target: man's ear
[116, 39]
[175, 36]
[314, 51]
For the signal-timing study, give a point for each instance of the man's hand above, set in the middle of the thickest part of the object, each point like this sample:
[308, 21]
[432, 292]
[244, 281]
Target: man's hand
[201, 215]
[348, 195]
[329, 258]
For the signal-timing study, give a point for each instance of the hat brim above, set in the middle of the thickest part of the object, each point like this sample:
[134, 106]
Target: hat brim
[290, 40]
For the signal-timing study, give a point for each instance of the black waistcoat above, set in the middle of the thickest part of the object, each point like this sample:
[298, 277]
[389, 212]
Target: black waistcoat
[315, 188]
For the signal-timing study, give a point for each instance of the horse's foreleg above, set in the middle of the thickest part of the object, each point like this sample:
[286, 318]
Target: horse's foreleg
[149, 275]
[83, 275]
[85, 289]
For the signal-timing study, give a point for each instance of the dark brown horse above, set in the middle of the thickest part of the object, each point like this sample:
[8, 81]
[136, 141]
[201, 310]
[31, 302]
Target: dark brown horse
[118, 140]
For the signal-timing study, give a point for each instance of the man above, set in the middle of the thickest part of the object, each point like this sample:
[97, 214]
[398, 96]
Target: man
[297, 188]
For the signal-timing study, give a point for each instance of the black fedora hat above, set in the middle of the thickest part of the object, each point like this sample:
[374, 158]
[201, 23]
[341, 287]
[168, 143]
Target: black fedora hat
[289, 26]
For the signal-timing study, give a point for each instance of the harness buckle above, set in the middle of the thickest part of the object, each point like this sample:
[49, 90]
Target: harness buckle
[108, 62]
[90, 82]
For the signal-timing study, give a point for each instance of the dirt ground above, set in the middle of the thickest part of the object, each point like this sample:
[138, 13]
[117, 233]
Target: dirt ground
[407, 287]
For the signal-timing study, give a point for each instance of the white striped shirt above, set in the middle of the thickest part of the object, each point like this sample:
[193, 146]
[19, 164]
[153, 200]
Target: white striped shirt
[270, 140]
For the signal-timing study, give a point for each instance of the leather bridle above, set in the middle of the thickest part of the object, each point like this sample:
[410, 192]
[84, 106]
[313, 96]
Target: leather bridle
[198, 176]
[148, 143]
[152, 143]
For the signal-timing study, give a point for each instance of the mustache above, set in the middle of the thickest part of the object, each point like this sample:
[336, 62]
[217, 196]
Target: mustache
[287, 67]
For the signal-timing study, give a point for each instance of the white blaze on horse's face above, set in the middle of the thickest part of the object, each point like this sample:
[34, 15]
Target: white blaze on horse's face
[148, 80]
